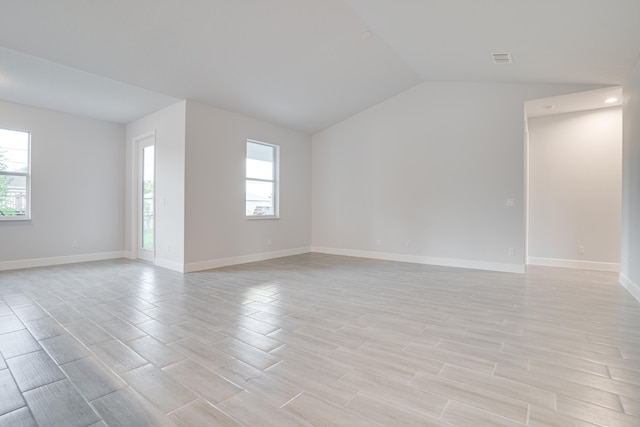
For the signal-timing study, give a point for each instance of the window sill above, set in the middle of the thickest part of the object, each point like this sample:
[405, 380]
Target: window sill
[261, 217]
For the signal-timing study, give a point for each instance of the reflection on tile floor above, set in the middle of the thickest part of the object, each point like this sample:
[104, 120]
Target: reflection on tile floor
[316, 340]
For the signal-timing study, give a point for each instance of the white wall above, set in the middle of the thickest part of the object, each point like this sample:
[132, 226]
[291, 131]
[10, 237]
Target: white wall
[630, 269]
[425, 176]
[78, 178]
[169, 127]
[575, 181]
[217, 232]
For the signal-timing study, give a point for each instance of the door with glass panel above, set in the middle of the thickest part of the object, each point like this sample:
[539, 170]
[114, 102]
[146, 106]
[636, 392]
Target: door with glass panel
[146, 198]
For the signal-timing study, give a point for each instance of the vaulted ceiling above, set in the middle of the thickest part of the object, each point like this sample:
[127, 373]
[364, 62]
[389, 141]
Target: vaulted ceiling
[305, 64]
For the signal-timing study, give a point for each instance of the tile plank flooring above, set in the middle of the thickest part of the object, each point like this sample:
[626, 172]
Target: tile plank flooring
[316, 340]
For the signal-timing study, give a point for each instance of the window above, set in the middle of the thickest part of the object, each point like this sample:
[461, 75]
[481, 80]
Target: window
[15, 176]
[262, 180]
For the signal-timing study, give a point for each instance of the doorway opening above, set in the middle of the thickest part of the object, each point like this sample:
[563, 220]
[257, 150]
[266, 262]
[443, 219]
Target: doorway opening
[574, 180]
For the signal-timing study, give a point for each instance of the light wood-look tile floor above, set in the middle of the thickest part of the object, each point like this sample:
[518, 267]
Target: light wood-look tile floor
[316, 340]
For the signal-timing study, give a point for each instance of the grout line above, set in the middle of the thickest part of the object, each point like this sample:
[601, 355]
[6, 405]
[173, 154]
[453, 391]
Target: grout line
[183, 406]
[347, 373]
[291, 400]
[606, 367]
[274, 349]
[351, 399]
[622, 404]
[446, 406]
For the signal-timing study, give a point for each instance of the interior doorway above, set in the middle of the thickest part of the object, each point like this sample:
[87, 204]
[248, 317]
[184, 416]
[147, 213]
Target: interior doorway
[574, 180]
[146, 206]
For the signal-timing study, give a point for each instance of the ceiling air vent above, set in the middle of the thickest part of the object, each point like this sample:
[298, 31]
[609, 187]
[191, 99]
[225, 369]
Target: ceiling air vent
[502, 58]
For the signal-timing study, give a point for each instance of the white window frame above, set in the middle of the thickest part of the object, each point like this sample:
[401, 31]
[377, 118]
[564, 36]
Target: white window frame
[275, 181]
[27, 176]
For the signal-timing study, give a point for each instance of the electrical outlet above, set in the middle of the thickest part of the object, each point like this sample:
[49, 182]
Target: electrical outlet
[269, 242]
[512, 252]
[409, 243]
[74, 243]
[581, 250]
[511, 202]
[378, 242]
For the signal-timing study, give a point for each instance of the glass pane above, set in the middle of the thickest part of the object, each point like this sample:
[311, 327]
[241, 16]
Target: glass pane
[14, 151]
[259, 198]
[259, 169]
[147, 197]
[13, 195]
[260, 158]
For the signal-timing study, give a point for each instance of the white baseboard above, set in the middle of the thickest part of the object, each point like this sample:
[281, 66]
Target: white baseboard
[417, 259]
[71, 259]
[572, 263]
[633, 288]
[170, 265]
[223, 262]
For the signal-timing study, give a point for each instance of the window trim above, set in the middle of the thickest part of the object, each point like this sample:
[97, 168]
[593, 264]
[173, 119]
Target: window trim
[275, 181]
[26, 175]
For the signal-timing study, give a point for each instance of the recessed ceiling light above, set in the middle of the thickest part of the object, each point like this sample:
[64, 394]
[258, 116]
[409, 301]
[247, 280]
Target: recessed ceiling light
[549, 107]
[611, 100]
[367, 35]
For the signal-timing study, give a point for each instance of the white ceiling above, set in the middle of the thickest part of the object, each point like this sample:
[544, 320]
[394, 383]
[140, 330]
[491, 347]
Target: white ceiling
[299, 63]
[35, 81]
[581, 101]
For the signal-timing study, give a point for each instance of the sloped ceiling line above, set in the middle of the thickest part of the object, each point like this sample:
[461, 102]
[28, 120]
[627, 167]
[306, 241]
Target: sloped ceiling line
[301, 64]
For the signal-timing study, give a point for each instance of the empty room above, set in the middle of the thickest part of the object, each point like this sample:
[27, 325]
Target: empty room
[320, 213]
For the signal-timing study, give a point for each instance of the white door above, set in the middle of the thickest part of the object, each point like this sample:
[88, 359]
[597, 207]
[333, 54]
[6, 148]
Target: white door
[146, 198]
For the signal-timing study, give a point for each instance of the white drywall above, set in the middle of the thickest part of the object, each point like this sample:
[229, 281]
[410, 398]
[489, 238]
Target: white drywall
[425, 176]
[200, 188]
[575, 185]
[168, 125]
[630, 269]
[77, 184]
[217, 232]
